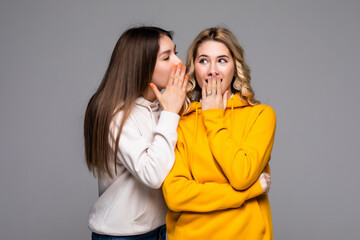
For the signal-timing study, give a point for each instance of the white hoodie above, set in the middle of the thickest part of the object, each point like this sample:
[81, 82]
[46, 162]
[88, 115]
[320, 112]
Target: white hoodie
[132, 203]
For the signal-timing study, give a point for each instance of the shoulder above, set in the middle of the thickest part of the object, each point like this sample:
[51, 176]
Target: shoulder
[128, 125]
[266, 108]
[259, 113]
[187, 118]
[264, 114]
[186, 126]
[263, 110]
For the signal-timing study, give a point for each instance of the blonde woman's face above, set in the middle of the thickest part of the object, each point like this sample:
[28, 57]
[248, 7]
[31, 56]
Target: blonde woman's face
[214, 59]
[165, 61]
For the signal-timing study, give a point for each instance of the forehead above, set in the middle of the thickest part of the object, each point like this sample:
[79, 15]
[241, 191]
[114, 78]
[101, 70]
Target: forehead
[212, 48]
[165, 43]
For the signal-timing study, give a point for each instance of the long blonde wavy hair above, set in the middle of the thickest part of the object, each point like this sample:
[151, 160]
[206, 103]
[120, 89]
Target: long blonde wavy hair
[241, 80]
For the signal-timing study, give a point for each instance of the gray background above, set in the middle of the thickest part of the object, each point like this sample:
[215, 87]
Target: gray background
[304, 57]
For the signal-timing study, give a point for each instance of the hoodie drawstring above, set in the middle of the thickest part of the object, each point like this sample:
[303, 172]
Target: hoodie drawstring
[152, 117]
[194, 138]
[232, 114]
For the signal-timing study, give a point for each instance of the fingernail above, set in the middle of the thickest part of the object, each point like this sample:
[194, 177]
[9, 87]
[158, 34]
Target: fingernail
[175, 65]
[186, 77]
[151, 85]
[184, 68]
[180, 63]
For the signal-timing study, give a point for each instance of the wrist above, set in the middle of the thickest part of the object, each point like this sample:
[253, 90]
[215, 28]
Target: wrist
[171, 110]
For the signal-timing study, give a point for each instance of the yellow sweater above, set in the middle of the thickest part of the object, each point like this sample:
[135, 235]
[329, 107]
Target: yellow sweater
[212, 192]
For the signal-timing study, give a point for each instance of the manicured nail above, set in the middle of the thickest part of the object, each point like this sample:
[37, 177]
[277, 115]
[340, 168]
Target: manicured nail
[186, 77]
[180, 63]
[151, 85]
[184, 68]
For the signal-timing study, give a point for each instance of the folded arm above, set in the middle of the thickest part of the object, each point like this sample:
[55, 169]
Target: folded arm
[183, 193]
[242, 163]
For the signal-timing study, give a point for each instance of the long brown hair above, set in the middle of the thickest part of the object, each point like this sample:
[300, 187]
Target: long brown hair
[127, 77]
[241, 81]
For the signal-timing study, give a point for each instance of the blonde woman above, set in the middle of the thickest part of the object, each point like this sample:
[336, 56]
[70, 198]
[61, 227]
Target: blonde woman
[225, 138]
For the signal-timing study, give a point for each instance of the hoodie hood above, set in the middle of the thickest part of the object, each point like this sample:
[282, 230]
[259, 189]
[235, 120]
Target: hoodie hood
[153, 106]
[232, 103]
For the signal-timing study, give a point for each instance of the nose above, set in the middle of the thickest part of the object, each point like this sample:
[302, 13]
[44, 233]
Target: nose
[177, 60]
[213, 71]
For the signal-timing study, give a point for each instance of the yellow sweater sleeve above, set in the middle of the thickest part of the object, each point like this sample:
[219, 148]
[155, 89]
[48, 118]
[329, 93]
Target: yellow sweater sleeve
[242, 163]
[183, 193]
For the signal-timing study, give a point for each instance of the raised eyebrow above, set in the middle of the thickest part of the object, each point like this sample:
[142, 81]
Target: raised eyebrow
[203, 55]
[221, 56]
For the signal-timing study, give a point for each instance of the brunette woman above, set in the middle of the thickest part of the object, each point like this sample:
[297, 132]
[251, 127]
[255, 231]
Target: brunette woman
[130, 134]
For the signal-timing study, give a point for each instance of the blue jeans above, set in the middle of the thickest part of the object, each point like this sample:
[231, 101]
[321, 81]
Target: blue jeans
[156, 234]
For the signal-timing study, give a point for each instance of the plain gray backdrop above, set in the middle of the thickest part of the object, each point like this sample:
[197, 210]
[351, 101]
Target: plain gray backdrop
[304, 57]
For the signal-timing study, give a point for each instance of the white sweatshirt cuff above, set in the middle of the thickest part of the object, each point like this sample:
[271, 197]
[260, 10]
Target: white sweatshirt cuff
[168, 123]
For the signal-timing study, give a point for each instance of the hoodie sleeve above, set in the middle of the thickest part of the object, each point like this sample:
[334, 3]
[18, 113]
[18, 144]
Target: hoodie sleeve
[149, 162]
[183, 193]
[242, 163]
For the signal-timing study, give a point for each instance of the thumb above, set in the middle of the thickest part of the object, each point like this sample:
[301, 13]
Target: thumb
[225, 98]
[156, 91]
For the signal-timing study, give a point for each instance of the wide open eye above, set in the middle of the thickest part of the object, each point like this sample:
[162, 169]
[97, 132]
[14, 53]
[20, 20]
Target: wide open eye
[203, 60]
